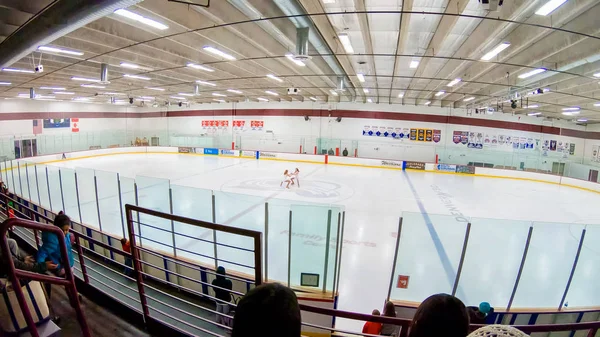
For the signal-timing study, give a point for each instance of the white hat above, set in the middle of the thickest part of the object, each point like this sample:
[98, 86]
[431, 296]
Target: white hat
[498, 331]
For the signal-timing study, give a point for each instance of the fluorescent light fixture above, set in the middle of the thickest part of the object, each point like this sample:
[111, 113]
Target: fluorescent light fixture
[262, 99]
[45, 97]
[185, 94]
[15, 70]
[567, 113]
[137, 77]
[147, 97]
[219, 100]
[156, 89]
[533, 72]
[313, 98]
[234, 91]
[93, 86]
[206, 83]
[5, 83]
[427, 103]
[113, 93]
[81, 99]
[179, 98]
[546, 90]
[361, 77]
[22, 95]
[52, 88]
[535, 106]
[369, 100]
[400, 95]
[597, 75]
[219, 53]
[333, 92]
[575, 108]
[63, 93]
[199, 67]
[365, 90]
[60, 50]
[130, 65]
[141, 19]
[549, 7]
[273, 77]
[291, 58]
[468, 99]
[440, 93]
[143, 100]
[497, 50]
[271, 93]
[534, 114]
[85, 79]
[582, 120]
[453, 82]
[414, 64]
[596, 104]
[328, 1]
[218, 95]
[345, 40]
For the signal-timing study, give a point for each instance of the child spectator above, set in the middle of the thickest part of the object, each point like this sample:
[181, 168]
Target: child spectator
[440, 315]
[223, 296]
[126, 247]
[372, 327]
[50, 249]
[389, 329]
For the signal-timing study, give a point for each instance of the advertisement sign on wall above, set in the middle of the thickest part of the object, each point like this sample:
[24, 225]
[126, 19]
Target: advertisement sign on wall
[211, 151]
[446, 168]
[234, 153]
[465, 169]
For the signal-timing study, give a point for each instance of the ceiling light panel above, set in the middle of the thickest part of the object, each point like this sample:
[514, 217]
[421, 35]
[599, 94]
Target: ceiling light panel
[297, 62]
[468, 99]
[273, 77]
[218, 95]
[179, 98]
[534, 114]
[93, 86]
[345, 40]
[453, 82]
[5, 83]
[155, 89]
[532, 73]
[60, 50]
[185, 94]
[400, 95]
[218, 52]
[206, 83]
[549, 7]
[427, 103]
[234, 91]
[141, 19]
[414, 64]
[497, 50]
[63, 93]
[271, 93]
[199, 67]
[137, 77]
[440, 93]
[16, 70]
[262, 99]
[52, 88]
[361, 77]
[84, 79]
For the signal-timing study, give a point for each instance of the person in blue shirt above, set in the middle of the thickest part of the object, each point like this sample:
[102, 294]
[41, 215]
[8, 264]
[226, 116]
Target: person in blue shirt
[50, 249]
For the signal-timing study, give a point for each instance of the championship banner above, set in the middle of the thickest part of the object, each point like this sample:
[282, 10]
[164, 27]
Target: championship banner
[572, 149]
[413, 134]
[437, 136]
[257, 125]
[457, 137]
[428, 135]
[421, 135]
[238, 124]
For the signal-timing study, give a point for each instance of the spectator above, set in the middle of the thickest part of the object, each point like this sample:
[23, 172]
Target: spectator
[331, 152]
[498, 331]
[223, 296]
[3, 188]
[126, 247]
[269, 310]
[440, 315]
[372, 327]
[345, 152]
[389, 329]
[479, 315]
[50, 249]
[23, 262]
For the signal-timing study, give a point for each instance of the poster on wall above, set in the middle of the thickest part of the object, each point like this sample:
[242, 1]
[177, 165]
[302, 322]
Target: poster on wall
[238, 125]
[475, 140]
[572, 149]
[57, 123]
[552, 145]
[257, 125]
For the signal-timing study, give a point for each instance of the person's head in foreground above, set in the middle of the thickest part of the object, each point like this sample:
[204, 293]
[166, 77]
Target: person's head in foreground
[269, 310]
[498, 331]
[375, 312]
[440, 315]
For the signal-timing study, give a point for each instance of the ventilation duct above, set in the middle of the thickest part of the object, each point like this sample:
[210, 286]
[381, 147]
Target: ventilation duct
[302, 44]
[58, 20]
[104, 73]
[340, 84]
[196, 89]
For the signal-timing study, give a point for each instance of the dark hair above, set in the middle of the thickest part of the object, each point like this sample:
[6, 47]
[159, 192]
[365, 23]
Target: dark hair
[62, 220]
[440, 315]
[269, 310]
[389, 310]
[123, 241]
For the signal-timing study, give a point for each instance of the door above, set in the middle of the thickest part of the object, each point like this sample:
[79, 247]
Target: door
[593, 175]
[17, 149]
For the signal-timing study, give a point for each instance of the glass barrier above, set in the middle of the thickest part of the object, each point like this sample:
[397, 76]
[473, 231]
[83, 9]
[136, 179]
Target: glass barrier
[69, 192]
[109, 203]
[428, 256]
[313, 245]
[24, 181]
[548, 265]
[492, 260]
[191, 242]
[87, 197]
[153, 193]
[584, 290]
[127, 194]
[55, 188]
[7, 148]
[276, 240]
[42, 183]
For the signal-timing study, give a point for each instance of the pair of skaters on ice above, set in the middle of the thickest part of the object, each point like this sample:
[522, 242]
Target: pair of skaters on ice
[290, 178]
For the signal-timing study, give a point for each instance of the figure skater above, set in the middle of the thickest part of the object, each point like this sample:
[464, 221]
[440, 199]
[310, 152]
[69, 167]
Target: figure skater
[294, 177]
[286, 179]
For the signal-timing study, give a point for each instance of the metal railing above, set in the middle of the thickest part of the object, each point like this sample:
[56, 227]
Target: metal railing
[83, 252]
[15, 275]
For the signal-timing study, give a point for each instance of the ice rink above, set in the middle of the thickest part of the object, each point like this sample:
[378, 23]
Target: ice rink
[436, 209]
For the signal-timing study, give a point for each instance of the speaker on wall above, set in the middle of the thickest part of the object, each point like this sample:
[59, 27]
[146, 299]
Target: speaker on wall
[306, 118]
[339, 119]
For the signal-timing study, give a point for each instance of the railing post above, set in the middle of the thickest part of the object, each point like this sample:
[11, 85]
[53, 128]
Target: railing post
[81, 260]
[341, 248]
[328, 237]
[562, 301]
[514, 291]
[172, 222]
[135, 190]
[337, 242]
[37, 185]
[48, 186]
[28, 188]
[214, 220]
[135, 255]
[266, 241]
[592, 333]
[462, 259]
[289, 250]
[395, 260]
[62, 195]
[77, 194]
[97, 202]
[121, 204]
[257, 260]
[12, 173]
[19, 173]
